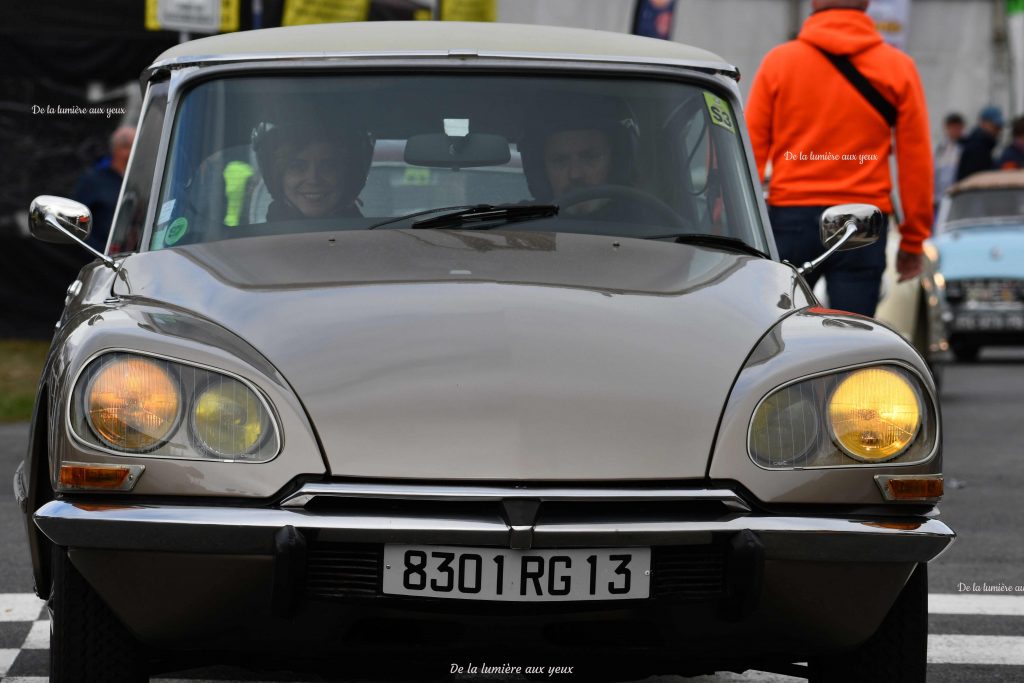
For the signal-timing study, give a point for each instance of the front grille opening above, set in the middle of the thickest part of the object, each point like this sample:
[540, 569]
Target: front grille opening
[398, 508]
[343, 570]
[689, 572]
[636, 510]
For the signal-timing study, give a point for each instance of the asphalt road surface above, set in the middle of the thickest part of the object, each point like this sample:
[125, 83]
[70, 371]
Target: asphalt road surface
[974, 635]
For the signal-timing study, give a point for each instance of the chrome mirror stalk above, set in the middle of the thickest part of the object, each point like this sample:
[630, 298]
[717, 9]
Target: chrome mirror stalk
[56, 219]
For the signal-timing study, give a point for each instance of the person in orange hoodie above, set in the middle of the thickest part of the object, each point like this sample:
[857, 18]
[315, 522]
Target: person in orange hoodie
[829, 144]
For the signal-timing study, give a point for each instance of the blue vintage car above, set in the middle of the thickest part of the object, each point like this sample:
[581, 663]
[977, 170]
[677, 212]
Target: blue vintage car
[980, 243]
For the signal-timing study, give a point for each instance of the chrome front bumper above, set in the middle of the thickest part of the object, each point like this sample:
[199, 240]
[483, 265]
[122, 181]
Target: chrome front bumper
[779, 586]
[238, 530]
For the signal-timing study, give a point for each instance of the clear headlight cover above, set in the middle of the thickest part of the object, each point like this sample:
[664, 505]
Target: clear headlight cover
[872, 415]
[131, 404]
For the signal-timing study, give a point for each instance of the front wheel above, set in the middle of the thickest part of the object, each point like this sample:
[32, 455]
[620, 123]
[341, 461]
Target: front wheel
[87, 642]
[896, 653]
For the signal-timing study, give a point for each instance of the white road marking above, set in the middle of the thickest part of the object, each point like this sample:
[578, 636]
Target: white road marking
[967, 603]
[7, 658]
[20, 607]
[1001, 650]
[38, 637]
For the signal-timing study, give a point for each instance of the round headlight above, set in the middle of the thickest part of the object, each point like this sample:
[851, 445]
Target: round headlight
[228, 419]
[132, 403]
[874, 414]
[785, 427]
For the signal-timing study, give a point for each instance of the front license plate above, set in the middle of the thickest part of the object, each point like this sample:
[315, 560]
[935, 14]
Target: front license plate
[517, 575]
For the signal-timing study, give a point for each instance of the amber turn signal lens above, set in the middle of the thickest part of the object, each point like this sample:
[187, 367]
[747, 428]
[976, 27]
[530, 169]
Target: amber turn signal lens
[132, 403]
[874, 414]
[913, 488]
[81, 476]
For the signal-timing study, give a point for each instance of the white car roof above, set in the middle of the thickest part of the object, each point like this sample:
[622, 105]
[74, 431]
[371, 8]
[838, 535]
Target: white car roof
[440, 37]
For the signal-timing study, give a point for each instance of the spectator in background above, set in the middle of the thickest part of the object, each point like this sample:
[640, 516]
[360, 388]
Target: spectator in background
[947, 154]
[99, 187]
[1013, 155]
[977, 148]
[820, 158]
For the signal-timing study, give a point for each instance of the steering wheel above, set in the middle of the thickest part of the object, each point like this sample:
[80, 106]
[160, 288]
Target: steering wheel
[624, 193]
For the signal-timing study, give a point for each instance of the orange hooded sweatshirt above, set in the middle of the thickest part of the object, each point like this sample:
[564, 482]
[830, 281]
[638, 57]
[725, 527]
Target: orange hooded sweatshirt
[827, 144]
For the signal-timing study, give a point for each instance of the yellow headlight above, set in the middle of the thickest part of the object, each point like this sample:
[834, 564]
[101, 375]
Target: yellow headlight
[874, 414]
[133, 404]
[228, 419]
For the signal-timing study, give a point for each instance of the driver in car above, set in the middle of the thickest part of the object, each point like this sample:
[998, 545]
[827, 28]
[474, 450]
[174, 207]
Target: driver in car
[312, 170]
[587, 147]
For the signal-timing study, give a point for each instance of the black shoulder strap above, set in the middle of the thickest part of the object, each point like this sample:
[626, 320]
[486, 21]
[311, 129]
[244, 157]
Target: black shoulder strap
[870, 93]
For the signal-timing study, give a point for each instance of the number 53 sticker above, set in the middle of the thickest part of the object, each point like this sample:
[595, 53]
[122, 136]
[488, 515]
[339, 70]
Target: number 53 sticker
[719, 110]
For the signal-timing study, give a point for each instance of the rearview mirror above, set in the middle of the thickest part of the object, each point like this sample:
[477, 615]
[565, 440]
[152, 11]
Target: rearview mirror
[438, 150]
[64, 221]
[56, 219]
[867, 220]
[845, 227]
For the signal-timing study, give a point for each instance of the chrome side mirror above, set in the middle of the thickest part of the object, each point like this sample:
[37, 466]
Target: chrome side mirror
[64, 221]
[846, 227]
[51, 219]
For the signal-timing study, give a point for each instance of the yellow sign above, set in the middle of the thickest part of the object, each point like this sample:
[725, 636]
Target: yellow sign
[469, 10]
[230, 11]
[298, 12]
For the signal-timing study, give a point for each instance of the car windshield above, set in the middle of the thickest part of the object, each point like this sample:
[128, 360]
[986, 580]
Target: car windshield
[270, 155]
[982, 205]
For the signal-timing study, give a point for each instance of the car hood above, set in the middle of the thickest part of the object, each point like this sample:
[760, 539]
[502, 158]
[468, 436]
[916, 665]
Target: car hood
[501, 355]
[982, 252]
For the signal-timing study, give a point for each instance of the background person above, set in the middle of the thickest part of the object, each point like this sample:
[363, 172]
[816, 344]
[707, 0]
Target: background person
[789, 126]
[947, 154]
[99, 187]
[977, 148]
[1013, 155]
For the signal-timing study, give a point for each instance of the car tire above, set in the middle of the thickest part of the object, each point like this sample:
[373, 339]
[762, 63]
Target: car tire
[87, 642]
[965, 353]
[896, 653]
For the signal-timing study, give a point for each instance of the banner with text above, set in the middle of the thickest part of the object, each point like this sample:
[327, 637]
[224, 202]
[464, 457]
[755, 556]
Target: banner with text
[892, 18]
[298, 12]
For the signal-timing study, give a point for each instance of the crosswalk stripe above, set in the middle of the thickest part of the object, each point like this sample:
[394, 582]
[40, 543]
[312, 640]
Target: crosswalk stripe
[39, 637]
[990, 605]
[7, 658]
[1001, 650]
[19, 607]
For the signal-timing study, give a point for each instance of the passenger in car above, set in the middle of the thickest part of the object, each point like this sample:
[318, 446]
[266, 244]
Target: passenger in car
[312, 171]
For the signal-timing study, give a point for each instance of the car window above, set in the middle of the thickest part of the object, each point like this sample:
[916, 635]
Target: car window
[981, 204]
[625, 157]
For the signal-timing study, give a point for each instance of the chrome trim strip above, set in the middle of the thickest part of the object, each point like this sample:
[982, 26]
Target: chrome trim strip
[847, 368]
[20, 490]
[251, 530]
[134, 474]
[308, 492]
[202, 60]
[186, 401]
[883, 480]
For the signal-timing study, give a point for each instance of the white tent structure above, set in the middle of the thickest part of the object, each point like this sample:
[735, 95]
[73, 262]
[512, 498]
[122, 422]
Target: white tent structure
[965, 49]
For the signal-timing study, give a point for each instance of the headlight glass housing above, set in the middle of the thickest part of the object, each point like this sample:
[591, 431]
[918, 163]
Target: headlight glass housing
[872, 415]
[133, 404]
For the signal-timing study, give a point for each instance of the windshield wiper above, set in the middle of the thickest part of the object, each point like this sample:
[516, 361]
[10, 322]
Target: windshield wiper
[708, 240]
[485, 213]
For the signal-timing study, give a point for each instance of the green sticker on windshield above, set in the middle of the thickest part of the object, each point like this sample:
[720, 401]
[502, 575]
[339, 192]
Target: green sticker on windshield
[719, 110]
[175, 231]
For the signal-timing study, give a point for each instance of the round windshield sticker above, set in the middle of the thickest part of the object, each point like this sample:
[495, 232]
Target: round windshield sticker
[175, 231]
